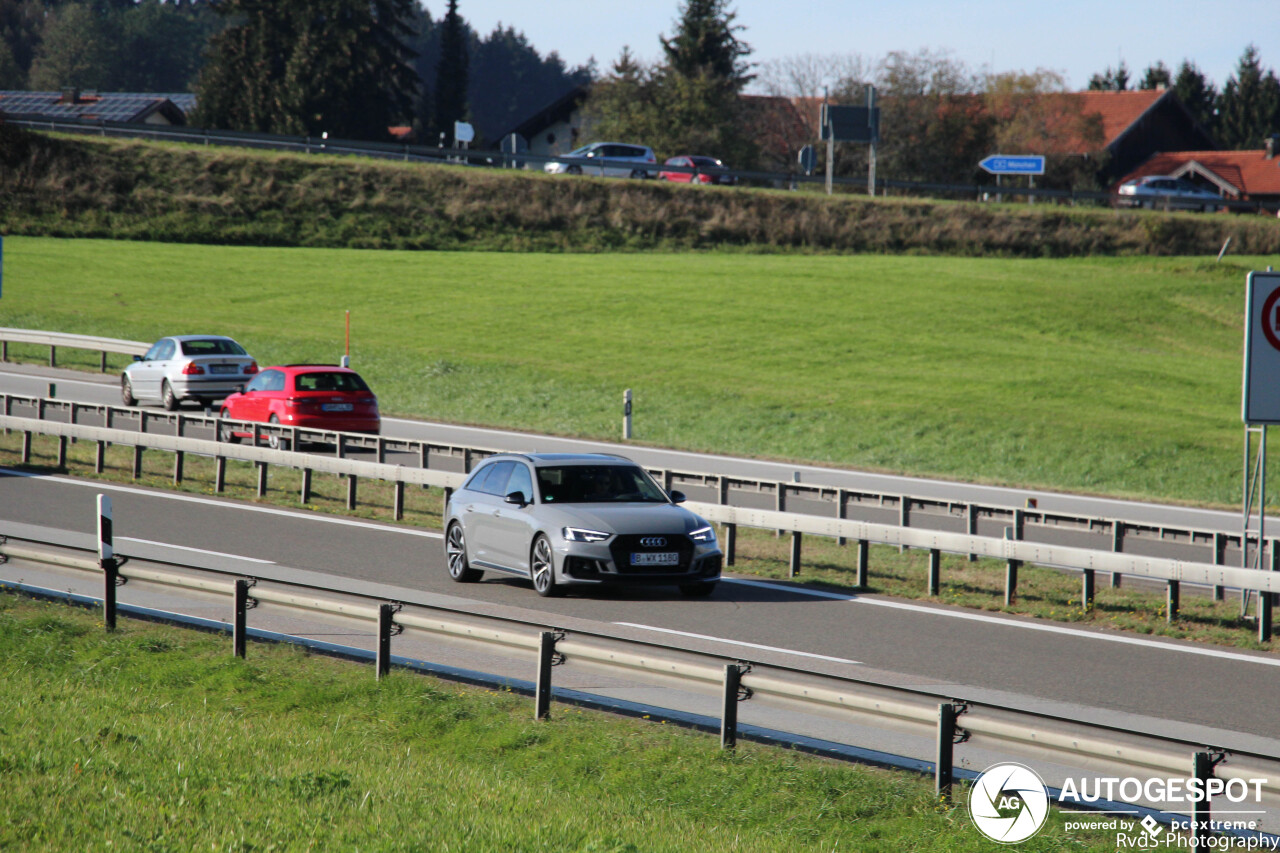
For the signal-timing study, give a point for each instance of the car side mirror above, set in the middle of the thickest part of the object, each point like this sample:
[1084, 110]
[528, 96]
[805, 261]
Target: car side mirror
[137, 358]
[677, 497]
[516, 498]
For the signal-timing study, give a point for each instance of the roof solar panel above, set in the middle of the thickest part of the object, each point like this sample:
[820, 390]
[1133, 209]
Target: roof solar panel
[108, 106]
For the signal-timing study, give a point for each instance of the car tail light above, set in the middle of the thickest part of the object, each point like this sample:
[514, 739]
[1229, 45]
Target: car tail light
[192, 369]
[252, 368]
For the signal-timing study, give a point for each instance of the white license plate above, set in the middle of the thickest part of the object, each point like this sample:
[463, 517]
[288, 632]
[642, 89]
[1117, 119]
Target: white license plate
[224, 368]
[336, 407]
[663, 559]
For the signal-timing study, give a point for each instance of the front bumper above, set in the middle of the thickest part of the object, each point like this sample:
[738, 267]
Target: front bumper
[606, 562]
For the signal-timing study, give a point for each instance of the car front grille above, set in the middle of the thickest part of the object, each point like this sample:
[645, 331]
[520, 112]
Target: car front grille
[622, 547]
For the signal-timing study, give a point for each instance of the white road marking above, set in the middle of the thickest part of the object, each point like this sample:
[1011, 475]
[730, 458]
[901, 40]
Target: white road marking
[194, 550]
[1011, 623]
[739, 643]
[45, 380]
[326, 519]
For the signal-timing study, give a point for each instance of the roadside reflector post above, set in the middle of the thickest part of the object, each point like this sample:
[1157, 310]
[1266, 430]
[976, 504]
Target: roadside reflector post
[397, 508]
[626, 414]
[177, 466]
[1117, 545]
[1086, 589]
[1010, 572]
[1171, 601]
[100, 457]
[137, 461]
[102, 362]
[351, 491]
[730, 543]
[780, 504]
[262, 479]
[338, 448]
[386, 630]
[841, 497]
[734, 693]
[1219, 546]
[793, 567]
[1267, 599]
[62, 452]
[944, 767]
[53, 357]
[935, 572]
[547, 658]
[448, 495]
[219, 474]
[864, 563]
[26, 446]
[243, 604]
[904, 518]
[305, 493]
[382, 449]
[107, 562]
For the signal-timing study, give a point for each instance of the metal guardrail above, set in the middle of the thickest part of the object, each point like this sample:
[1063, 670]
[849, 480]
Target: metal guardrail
[53, 340]
[488, 158]
[1009, 543]
[1017, 732]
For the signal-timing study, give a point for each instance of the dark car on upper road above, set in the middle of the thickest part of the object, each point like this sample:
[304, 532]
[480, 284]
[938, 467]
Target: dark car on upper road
[582, 520]
[308, 396]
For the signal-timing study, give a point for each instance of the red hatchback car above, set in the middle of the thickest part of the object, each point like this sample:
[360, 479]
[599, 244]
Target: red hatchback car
[310, 396]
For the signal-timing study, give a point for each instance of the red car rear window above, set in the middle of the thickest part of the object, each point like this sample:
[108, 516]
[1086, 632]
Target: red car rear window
[329, 381]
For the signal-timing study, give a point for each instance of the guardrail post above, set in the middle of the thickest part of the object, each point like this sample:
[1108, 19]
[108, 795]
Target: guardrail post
[305, 494]
[1172, 597]
[262, 479]
[386, 628]
[351, 491]
[971, 525]
[734, 693]
[26, 446]
[730, 543]
[841, 497]
[793, 566]
[243, 603]
[1010, 574]
[1219, 546]
[542, 689]
[397, 502]
[100, 458]
[864, 564]
[944, 767]
[1117, 545]
[137, 461]
[219, 474]
[1202, 764]
[935, 571]
[177, 466]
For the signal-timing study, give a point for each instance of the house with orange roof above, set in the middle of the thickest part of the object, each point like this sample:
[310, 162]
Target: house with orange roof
[1235, 175]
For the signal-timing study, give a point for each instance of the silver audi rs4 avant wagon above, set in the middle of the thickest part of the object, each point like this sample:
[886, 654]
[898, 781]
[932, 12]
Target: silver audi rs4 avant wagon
[577, 520]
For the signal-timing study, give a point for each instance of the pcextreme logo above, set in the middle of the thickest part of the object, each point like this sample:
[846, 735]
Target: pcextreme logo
[1009, 803]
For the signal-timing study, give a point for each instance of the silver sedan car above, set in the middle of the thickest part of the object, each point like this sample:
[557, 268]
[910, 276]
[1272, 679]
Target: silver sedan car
[187, 367]
[1161, 192]
[576, 520]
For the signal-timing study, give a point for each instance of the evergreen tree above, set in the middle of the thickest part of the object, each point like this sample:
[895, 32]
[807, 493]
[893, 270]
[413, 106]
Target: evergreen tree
[20, 25]
[706, 43]
[451, 74]
[78, 47]
[1155, 77]
[1197, 94]
[1111, 80]
[310, 66]
[1250, 104]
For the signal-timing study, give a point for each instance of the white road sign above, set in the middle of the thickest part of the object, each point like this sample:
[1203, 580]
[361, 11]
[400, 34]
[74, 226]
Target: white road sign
[1262, 349]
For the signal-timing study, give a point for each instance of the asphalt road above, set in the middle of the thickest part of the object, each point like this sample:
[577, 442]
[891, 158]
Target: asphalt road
[1160, 685]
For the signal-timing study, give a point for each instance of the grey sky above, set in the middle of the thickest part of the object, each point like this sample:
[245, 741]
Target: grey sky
[1076, 38]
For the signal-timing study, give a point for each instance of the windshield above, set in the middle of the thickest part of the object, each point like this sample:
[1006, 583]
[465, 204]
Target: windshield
[572, 484]
[212, 346]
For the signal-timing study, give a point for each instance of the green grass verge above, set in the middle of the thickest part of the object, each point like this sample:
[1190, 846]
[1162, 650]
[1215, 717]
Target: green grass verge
[1113, 376]
[1042, 593]
[157, 738]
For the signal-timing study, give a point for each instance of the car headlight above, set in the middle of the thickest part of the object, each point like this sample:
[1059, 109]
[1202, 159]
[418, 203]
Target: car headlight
[703, 534]
[578, 534]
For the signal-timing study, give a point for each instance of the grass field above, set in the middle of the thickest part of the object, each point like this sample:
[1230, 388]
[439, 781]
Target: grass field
[156, 738]
[1116, 376]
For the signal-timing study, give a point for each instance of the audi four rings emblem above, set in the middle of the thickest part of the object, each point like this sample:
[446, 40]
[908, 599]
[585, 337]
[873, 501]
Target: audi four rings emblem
[653, 542]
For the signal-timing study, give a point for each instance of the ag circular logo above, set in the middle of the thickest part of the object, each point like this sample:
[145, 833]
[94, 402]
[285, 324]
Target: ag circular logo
[1009, 803]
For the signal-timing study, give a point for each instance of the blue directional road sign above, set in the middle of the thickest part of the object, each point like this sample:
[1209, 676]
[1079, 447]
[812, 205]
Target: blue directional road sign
[1020, 164]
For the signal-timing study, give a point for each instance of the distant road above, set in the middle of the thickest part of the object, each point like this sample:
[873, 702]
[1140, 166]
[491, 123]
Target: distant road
[96, 388]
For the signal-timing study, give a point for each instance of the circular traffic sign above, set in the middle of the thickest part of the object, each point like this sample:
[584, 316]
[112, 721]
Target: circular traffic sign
[1268, 311]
